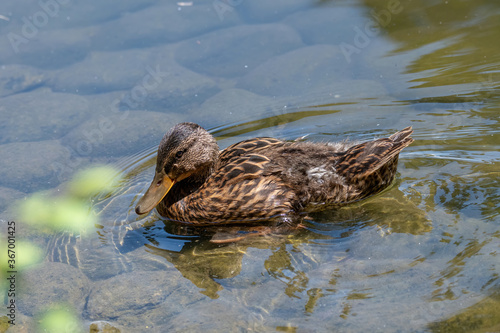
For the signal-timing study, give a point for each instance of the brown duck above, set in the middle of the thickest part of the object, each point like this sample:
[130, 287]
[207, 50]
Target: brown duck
[263, 178]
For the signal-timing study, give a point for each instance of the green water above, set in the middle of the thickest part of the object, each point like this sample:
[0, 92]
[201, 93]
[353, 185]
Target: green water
[101, 82]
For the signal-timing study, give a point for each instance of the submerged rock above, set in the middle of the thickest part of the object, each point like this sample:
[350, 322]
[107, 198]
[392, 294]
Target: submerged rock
[46, 49]
[150, 78]
[141, 298]
[160, 24]
[218, 317]
[237, 50]
[267, 11]
[84, 13]
[103, 72]
[19, 78]
[103, 327]
[177, 89]
[69, 14]
[31, 166]
[8, 196]
[119, 133]
[40, 115]
[311, 23]
[50, 285]
[298, 72]
[230, 106]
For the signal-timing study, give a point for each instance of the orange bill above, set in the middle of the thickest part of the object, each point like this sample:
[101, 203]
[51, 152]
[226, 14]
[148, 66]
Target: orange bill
[156, 192]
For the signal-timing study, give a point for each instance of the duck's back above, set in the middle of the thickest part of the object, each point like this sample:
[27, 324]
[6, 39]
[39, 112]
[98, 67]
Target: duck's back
[337, 173]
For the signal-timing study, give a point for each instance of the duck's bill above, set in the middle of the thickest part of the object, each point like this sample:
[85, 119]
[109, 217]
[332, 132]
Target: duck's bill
[156, 192]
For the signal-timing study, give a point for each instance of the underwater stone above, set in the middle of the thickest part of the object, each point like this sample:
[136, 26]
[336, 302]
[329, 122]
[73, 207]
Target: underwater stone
[31, 166]
[40, 115]
[140, 295]
[311, 24]
[50, 285]
[297, 72]
[160, 24]
[7, 197]
[120, 133]
[102, 72]
[267, 11]
[18, 78]
[103, 327]
[231, 106]
[150, 78]
[236, 51]
[45, 49]
[175, 88]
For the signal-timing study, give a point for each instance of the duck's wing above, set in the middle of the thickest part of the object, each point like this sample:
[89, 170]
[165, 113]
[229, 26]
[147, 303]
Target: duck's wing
[364, 159]
[240, 189]
[246, 147]
[244, 160]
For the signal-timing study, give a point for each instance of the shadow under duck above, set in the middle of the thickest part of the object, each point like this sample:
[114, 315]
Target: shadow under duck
[263, 178]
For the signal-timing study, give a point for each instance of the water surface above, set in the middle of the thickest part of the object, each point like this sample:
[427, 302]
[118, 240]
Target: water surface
[100, 82]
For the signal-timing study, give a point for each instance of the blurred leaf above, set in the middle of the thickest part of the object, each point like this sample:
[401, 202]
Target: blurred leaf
[4, 323]
[27, 255]
[35, 209]
[58, 213]
[73, 214]
[94, 180]
[72, 211]
[24, 255]
[60, 321]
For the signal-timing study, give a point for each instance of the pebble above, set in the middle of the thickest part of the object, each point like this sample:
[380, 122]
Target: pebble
[62, 284]
[119, 133]
[45, 48]
[216, 317]
[102, 326]
[19, 78]
[64, 32]
[24, 324]
[238, 50]
[7, 197]
[141, 298]
[160, 24]
[231, 106]
[149, 78]
[102, 72]
[312, 24]
[266, 11]
[174, 87]
[77, 14]
[40, 115]
[298, 72]
[31, 166]
[69, 14]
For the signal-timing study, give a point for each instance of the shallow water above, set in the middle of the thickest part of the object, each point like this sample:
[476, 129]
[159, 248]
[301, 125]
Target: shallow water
[102, 82]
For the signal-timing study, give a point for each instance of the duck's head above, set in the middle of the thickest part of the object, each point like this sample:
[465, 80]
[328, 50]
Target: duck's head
[187, 150]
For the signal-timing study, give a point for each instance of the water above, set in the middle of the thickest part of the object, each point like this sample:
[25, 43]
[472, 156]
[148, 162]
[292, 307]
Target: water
[102, 82]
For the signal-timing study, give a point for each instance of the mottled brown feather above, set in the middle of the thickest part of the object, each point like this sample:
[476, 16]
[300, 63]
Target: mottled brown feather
[262, 178]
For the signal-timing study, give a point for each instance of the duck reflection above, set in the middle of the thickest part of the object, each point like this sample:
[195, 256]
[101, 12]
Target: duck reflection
[480, 317]
[209, 254]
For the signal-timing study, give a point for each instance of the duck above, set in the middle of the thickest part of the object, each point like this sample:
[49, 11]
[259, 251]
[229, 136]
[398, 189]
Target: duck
[264, 178]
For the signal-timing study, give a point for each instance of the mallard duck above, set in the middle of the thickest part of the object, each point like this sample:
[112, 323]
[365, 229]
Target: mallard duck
[263, 178]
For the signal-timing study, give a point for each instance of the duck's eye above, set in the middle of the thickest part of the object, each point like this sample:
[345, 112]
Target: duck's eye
[179, 154]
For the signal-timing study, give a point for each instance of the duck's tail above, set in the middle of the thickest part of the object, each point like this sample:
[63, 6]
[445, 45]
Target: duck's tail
[403, 136]
[366, 158]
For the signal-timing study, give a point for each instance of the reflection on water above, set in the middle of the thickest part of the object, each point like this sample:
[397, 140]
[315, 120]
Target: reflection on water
[480, 317]
[421, 256]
